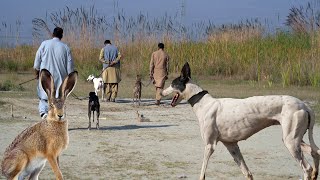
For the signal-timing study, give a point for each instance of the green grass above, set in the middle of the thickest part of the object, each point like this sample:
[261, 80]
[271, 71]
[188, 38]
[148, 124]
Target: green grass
[8, 85]
[286, 58]
[243, 51]
[2, 103]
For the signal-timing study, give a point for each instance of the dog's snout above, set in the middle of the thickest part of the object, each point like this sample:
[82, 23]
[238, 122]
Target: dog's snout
[161, 93]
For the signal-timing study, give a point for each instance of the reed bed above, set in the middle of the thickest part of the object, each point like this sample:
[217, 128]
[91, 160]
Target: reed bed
[242, 51]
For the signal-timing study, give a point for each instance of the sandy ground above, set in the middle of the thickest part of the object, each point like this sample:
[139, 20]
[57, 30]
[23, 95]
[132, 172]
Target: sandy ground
[167, 147]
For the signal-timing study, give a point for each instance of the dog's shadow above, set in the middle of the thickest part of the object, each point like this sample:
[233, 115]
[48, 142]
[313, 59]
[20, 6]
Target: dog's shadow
[148, 102]
[124, 101]
[125, 127]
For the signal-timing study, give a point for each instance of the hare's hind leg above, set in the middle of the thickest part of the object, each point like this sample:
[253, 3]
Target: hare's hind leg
[37, 168]
[35, 174]
[14, 164]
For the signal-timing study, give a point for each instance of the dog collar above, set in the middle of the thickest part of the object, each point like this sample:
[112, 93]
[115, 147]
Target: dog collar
[197, 97]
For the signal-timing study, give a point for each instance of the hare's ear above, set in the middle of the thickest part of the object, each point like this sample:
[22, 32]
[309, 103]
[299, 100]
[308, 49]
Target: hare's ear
[68, 85]
[47, 83]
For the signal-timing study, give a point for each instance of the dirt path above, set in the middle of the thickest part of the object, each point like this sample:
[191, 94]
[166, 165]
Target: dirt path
[167, 147]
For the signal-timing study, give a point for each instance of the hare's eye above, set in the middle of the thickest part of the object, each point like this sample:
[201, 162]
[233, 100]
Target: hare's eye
[51, 105]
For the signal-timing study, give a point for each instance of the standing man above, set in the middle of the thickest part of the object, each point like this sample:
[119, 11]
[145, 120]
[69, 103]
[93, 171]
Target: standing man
[55, 56]
[159, 68]
[111, 75]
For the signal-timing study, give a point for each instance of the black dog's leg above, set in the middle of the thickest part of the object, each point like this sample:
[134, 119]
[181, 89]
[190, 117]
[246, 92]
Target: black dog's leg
[92, 116]
[89, 116]
[98, 114]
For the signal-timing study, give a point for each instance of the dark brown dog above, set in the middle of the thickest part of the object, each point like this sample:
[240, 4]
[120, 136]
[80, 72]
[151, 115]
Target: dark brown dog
[93, 106]
[137, 90]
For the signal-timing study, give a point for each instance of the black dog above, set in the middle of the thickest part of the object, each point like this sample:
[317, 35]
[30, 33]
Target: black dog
[93, 106]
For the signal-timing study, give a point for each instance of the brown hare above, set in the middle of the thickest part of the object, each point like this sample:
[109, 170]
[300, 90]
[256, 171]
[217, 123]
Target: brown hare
[44, 141]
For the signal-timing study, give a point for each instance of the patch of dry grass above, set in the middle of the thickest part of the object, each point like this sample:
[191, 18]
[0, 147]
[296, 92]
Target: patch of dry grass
[217, 88]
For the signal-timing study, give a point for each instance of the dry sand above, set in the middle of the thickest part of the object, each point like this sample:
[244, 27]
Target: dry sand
[167, 147]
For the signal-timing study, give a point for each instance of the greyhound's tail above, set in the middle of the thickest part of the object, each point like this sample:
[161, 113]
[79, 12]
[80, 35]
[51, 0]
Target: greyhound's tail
[311, 122]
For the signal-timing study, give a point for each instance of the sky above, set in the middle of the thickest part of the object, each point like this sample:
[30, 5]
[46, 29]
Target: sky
[217, 11]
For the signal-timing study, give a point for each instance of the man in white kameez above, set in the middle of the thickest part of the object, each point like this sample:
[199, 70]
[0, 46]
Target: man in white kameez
[55, 56]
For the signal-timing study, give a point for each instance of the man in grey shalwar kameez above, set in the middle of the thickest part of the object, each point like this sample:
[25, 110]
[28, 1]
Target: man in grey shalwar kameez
[55, 56]
[110, 57]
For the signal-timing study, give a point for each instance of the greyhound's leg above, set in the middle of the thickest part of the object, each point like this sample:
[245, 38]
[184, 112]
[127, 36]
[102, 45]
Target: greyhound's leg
[306, 148]
[293, 132]
[314, 150]
[315, 170]
[208, 150]
[234, 150]
[295, 150]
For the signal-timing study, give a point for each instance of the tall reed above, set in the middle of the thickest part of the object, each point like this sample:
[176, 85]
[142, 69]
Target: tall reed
[239, 51]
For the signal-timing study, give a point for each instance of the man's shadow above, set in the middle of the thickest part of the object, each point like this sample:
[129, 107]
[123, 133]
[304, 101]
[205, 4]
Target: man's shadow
[125, 127]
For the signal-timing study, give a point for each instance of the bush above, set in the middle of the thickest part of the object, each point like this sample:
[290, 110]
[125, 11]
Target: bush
[9, 86]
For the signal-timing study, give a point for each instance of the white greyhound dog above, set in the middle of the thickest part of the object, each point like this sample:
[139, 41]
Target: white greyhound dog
[98, 85]
[231, 120]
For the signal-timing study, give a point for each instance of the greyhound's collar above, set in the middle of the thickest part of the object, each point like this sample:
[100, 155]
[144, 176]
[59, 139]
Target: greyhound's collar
[197, 97]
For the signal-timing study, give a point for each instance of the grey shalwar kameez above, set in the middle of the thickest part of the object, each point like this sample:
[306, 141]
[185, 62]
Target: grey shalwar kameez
[55, 56]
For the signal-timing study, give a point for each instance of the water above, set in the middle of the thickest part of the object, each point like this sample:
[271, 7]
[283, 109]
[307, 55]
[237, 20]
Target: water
[16, 15]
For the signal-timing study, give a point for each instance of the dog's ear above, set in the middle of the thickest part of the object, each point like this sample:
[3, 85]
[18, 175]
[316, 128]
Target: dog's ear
[186, 72]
